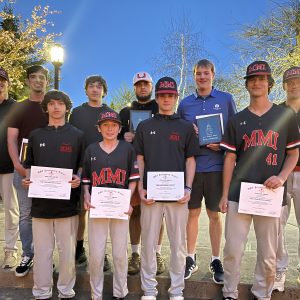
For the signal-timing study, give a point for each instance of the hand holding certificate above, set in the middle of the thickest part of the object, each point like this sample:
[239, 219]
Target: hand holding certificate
[165, 186]
[52, 183]
[110, 203]
[256, 199]
[137, 116]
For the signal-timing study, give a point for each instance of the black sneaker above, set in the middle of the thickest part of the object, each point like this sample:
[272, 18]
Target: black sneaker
[229, 298]
[106, 265]
[24, 267]
[80, 258]
[190, 267]
[117, 298]
[217, 270]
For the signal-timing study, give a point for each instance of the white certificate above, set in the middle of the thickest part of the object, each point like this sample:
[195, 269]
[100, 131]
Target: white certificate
[256, 199]
[110, 203]
[52, 183]
[165, 186]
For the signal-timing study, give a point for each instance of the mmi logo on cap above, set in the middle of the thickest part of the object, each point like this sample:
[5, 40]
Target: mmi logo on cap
[257, 67]
[166, 84]
[109, 114]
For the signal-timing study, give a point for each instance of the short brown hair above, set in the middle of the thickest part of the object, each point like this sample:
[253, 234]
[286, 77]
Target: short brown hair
[56, 95]
[204, 63]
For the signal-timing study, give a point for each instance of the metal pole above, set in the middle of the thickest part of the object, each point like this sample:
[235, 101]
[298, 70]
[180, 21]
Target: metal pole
[56, 76]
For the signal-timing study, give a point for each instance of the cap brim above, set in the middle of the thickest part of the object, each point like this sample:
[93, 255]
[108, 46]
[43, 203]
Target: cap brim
[167, 92]
[291, 77]
[142, 79]
[257, 74]
[113, 120]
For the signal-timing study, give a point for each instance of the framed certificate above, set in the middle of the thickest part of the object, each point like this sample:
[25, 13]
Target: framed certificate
[136, 116]
[165, 186]
[210, 128]
[256, 199]
[110, 203]
[51, 183]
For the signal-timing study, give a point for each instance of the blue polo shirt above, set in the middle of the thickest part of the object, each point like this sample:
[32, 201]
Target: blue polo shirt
[215, 103]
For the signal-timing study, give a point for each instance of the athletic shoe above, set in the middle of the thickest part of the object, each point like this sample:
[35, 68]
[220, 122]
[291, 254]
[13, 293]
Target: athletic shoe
[279, 282]
[298, 269]
[106, 265]
[217, 270]
[117, 298]
[10, 259]
[176, 298]
[229, 298]
[190, 267]
[161, 267]
[148, 298]
[80, 258]
[24, 267]
[134, 263]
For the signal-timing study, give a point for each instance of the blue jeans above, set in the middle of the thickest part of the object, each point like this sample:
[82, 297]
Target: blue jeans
[25, 222]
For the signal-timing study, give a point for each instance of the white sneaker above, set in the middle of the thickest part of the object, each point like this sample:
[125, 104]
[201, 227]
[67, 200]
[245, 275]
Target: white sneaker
[298, 269]
[148, 298]
[176, 298]
[10, 260]
[279, 282]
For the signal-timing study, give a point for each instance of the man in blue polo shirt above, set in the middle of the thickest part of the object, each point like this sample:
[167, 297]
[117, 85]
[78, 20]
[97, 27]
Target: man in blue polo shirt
[208, 178]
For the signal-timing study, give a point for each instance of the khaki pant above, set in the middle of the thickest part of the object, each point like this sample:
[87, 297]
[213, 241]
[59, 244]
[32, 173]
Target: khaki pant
[176, 220]
[47, 232]
[293, 192]
[98, 232]
[11, 211]
[237, 227]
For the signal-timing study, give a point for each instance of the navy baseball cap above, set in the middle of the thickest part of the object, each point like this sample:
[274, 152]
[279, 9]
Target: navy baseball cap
[293, 72]
[166, 85]
[109, 115]
[258, 67]
[4, 74]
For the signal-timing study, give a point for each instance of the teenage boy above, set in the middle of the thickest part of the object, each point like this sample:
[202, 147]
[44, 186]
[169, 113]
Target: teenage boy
[165, 143]
[291, 85]
[209, 166]
[109, 163]
[28, 115]
[7, 191]
[261, 144]
[143, 86]
[85, 118]
[58, 145]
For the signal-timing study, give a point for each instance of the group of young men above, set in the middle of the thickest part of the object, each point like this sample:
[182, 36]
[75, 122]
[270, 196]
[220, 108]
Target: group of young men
[259, 145]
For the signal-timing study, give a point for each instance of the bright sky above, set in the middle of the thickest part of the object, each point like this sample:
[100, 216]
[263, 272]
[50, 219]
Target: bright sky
[117, 38]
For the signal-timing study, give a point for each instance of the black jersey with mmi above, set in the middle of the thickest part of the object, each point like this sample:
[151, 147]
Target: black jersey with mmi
[260, 144]
[61, 147]
[114, 170]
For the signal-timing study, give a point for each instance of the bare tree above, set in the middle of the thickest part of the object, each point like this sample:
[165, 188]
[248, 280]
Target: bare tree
[122, 97]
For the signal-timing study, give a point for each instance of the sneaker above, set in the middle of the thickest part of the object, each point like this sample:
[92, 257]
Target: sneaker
[24, 267]
[229, 298]
[134, 264]
[161, 267]
[80, 258]
[217, 270]
[190, 267]
[298, 269]
[176, 298]
[117, 298]
[10, 259]
[106, 265]
[148, 298]
[279, 282]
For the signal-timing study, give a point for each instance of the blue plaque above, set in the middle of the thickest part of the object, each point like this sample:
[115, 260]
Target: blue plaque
[136, 116]
[210, 129]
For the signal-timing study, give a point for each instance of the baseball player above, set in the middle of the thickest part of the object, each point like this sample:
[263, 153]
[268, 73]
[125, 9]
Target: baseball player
[109, 163]
[55, 221]
[209, 166]
[291, 85]
[143, 85]
[261, 144]
[164, 143]
[85, 117]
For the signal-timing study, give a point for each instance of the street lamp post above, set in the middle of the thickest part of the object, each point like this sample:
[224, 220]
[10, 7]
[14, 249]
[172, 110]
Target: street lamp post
[57, 59]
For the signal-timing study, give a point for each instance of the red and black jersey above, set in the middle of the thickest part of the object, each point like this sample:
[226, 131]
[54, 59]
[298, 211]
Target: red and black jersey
[165, 141]
[260, 143]
[115, 169]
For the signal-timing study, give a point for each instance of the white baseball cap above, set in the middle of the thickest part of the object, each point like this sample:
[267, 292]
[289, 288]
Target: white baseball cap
[142, 76]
